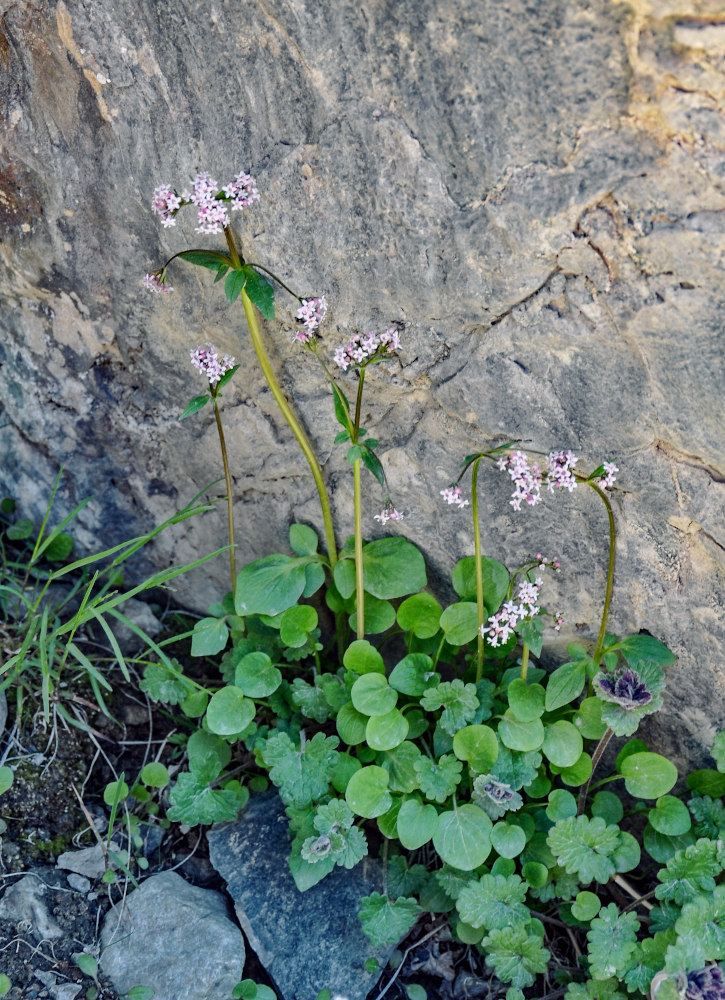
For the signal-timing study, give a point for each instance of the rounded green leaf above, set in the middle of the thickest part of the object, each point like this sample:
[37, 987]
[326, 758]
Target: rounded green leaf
[562, 805]
[344, 769]
[372, 695]
[296, 624]
[87, 964]
[379, 615]
[706, 782]
[670, 816]
[460, 623]
[526, 701]
[229, 712]
[588, 719]
[115, 791]
[209, 637]
[563, 743]
[367, 792]
[256, 675]
[384, 732]
[413, 674]
[535, 874]
[194, 705]
[303, 539]
[351, 725]
[5, 984]
[399, 762]
[463, 837]
[392, 567]
[648, 775]
[578, 773]
[468, 934]
[508, 840]
[608, 806]
[270, 585]
[363, 658]
[495, 576]
[477, 745]
[565, 684]
[586, 906]
[518, 735]
[155, 775]
[421, 615]
[6, 778]
[388, 821]
[417, 822]
[661, 847]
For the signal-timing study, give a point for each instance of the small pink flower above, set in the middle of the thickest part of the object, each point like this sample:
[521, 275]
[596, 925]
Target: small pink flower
[312, 312]
[452, 496]
[166, 203]
[206, 360]
[361, 349]
[389, 513]
[242, 191]
[155, 284]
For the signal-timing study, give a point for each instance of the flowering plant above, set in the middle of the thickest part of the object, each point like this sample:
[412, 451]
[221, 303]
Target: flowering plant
[445, 734]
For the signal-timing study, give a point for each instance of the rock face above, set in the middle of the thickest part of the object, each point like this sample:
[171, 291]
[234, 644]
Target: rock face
[175, 938]
[536, 192]
[306, 940]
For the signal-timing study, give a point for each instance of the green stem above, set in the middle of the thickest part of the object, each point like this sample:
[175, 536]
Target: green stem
[359, 578]
[524, 661]
[359, 581]
[294, 425]
[479, 568]
[230, 496]
[610, 570]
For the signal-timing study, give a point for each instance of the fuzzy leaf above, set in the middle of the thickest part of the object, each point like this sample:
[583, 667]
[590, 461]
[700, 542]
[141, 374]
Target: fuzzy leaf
[193, 801]
[458, 701]
[515, 769]
[702, 926]
[612, 941]
[438, 781]
[310, 700]
[718, 750]
[404, 880]
[162, 684]
[689, 873]
[385, 921]
[302, 774]
[515, 955]
[584, 847]
[494, 901]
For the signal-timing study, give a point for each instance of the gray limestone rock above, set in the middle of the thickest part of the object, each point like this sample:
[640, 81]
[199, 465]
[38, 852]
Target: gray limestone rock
[306, 940]
[175, 938]
[536, 192]
[23, 902]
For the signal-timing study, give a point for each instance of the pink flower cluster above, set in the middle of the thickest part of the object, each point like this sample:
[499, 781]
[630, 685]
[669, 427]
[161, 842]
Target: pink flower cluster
[211, 202]
[452, 495]
[608, 479]
[363, 348]
[311, 313]
[155, 283]
[558, 473]
[206, 359]
[389, 513]
[501, 625]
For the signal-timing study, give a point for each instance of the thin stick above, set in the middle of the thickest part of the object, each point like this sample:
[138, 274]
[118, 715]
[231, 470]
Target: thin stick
[407, 952]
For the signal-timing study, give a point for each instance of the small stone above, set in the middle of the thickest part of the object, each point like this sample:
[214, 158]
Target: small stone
[176, 939]
[89, 861]
[46, 978]
[79, 882]
[23, 902]
[66, 991]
